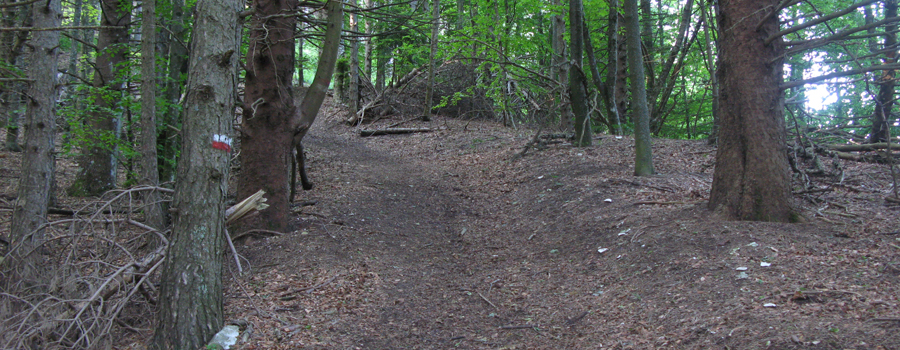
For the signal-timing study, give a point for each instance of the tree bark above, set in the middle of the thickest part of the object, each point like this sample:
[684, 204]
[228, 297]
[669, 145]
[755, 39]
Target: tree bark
[884, 100]
[577, 79]
[643, 153]
[272, 126]
[190, 303]
[752, 179]
[148, 163]
[268, 106]
[35, 180]
[98, 163]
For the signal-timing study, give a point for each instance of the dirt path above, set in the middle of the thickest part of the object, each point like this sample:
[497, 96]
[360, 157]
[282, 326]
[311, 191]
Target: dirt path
[439, 240]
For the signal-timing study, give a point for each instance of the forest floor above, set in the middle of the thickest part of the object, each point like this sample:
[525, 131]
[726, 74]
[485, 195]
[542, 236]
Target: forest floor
[448, 240]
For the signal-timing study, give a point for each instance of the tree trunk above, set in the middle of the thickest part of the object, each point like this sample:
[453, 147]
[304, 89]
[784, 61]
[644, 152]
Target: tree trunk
[35, 180]
[752, 179]
[190, 303]
[169, 139]
[98, 163]
[11, 93]
[429, 86]
[711, 68]
[272, 126]
[612, 118]
[560, 66]
[148, 163]
[643, 153]
[577, 79]
[353, 92]
[268, 106]
[884, 101]
[661, 91]
[369, 45]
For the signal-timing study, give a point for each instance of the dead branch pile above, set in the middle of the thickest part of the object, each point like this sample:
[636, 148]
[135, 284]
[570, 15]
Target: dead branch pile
[455, 87]
[97, 267]
[96, 263]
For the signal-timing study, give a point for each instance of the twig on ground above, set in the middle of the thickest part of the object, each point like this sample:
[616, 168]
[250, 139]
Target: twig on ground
[574, 320]
[525, 326]
[253, 232]
[237, 260]
[486, 299]
[287, 295]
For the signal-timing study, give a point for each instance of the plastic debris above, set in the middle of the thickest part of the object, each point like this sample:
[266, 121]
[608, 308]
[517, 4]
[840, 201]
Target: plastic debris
[608, 200]
[226, 337]
[764, 264]
[742, 268]
[602, 250]
[769, 305]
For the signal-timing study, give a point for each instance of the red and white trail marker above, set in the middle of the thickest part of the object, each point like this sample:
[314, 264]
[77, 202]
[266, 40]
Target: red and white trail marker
[221, 142]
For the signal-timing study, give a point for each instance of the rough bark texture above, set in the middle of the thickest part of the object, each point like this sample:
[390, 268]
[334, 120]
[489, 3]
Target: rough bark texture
[643, 154]
[190, 302]
[752, 179]
[884, 101]
[98, 164]
[149, 171]
[266, 131]
[35, 181]
[577, 79]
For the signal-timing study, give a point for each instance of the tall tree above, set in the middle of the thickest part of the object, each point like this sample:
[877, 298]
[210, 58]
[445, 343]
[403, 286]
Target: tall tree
[148, 162]
[272, 126]
[35, 181]
[176, 74]
[643, 153]
[752, 179]
[98, 163]
[885, 99]
[577, 79]
[353, 102]
[190, 303]
[268, 107]
[429, 86]
[558, 65]
[11, 43]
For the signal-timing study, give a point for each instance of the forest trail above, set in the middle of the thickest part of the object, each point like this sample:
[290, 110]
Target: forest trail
[442, 240]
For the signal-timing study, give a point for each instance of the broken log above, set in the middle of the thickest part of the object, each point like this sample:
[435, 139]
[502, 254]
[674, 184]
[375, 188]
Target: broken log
[367, 133]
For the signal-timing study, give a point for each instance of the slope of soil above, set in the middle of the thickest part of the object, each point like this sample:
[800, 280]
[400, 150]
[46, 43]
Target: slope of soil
[446, 240]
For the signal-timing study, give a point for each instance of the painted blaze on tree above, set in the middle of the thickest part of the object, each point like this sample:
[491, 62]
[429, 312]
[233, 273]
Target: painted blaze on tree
[752, 179]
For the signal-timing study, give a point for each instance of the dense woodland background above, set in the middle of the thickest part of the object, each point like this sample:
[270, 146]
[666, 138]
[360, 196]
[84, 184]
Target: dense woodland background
[159, 101]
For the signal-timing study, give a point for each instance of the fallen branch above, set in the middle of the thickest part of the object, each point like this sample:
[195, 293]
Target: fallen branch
[367, 133]
[861, 148]
[255, 202]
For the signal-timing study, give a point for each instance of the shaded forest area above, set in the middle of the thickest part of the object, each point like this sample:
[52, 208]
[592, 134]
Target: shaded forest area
[485, 174]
